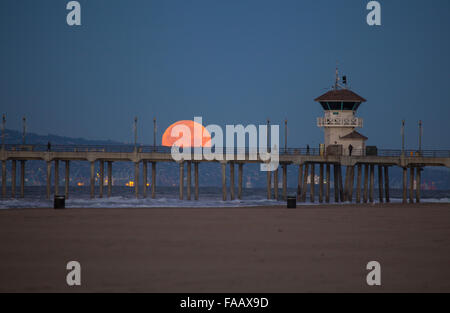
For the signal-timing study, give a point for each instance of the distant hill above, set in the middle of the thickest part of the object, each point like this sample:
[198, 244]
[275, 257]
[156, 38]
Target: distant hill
[15, 137]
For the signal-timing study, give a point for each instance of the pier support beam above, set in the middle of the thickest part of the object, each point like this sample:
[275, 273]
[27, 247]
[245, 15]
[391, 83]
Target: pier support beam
[275, 184]
[22, 178]
[372, 182]
[144, 178]
[4, 178]
[284, 182]
[189, 179]
[153, 180]
[181, 184]
[347, 183]
[269, 185]
[232, 194]
[386, 184]
[366, 182]
[240, 173]
[418, 183]
[109, 178]
[299, 182]
[13, 178]
[102, 178]
[341, 187]
[305, 182]
[92, 180]
[67, 179]
[321, 183]
[56, 182]
[358, 185]
[351, 184]
[336, 183]
[196, 179]
[224, 181]
[49, 178]
[312, 183]
[380, 183]
[136, 179]
[411, 185]
[327, 192]
[405, 178]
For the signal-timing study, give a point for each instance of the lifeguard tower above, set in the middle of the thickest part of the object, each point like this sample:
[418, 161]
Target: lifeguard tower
[340, 122]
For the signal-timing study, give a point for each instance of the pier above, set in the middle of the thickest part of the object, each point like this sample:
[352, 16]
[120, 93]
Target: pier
[359, 174]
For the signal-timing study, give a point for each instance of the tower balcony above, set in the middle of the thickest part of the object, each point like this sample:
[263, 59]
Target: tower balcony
[339, 122]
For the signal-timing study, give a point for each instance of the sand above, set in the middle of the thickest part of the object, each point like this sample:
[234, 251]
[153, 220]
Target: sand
[308, 249]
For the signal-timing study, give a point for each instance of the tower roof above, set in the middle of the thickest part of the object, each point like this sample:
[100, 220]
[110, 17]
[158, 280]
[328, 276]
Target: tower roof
[340, 95]
[354, 135]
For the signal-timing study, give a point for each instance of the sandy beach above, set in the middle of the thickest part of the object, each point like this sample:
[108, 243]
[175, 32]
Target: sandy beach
[270, 249]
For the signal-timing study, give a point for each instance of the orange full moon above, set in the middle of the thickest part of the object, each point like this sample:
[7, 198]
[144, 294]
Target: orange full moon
[202, 136]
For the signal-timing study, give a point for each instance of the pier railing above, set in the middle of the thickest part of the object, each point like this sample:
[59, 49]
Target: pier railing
[163, 149]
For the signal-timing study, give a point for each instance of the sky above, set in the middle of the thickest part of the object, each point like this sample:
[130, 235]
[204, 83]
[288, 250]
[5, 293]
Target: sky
[229, 61]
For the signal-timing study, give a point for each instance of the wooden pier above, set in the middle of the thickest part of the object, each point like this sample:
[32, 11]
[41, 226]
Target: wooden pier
[306, 160]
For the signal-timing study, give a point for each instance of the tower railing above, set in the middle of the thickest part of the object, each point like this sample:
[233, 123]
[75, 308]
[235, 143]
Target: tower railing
[339, 122]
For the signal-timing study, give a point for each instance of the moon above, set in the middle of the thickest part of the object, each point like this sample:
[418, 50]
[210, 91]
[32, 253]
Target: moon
[182, 140]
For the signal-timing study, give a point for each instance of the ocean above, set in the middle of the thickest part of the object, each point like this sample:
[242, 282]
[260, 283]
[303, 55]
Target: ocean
[124, 197]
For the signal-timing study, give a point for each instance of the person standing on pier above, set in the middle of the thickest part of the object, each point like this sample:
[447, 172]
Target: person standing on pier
[49, 146]
[350, 149]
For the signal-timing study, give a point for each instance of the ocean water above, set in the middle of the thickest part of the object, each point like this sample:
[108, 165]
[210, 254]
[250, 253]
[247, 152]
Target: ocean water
[124, 197]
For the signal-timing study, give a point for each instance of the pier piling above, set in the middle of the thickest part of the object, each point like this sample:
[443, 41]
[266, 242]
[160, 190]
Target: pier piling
[305, 182]
[358, 184]
[92, 180]
[299, 182]
[347, 182]
[336, 183]
[351, 184]
[284, 182]
[312, 183]
[327, 192]
[102, 178]
[224, 181]
[275, 184]
[49, 173]
[4, 178]
[13, 178]
[418, 183]
[144, 178]
[136, 179]
[269, 185]
[232, 196]
[196, 180]
[189, 180]
[181, 184]
[411, 184]
[56, 182]
[366, 182]
[372, 182]
[109, 178]
[321, 183]
[386, 184]
[154, 180]
[341, 187]
[405, 174]
[67, 179]
[241, 165]
[380, 183]
[22, 178]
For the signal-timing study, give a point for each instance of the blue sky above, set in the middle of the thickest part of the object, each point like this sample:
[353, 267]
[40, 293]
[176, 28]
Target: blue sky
[231, 62]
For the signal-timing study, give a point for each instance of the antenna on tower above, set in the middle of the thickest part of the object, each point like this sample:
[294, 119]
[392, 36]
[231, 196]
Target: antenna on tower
[337, 79]
[336, 84]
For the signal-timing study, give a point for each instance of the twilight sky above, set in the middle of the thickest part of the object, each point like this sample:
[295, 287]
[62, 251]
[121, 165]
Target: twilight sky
[229, 61]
